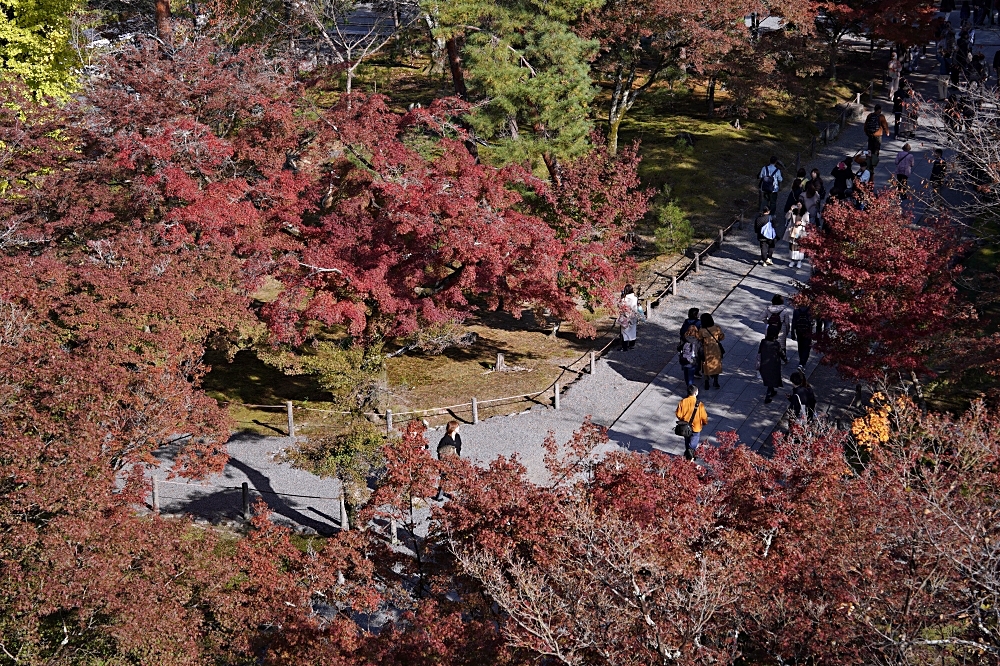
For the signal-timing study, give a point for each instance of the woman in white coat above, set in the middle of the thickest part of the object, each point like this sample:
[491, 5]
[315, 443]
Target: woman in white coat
[628, 318]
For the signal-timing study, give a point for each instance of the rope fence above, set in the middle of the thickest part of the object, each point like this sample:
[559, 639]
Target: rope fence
[245, 491]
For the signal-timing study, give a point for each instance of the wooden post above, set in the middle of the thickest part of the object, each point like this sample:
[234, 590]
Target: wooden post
[593, 361]
[697, 262]
[291, 419]
[345, 523]
[388, 420]
[647, 308]
[475, 411]
[722, 237]
[499, 366]
[556, 394]
[156, 495]
[246, 500]
[393, 537]
[673, 285]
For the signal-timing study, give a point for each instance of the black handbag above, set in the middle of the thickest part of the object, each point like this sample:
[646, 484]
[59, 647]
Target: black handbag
[683, 428]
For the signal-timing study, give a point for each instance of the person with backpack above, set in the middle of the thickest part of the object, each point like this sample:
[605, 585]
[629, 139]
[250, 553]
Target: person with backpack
[779, 316]
[688, 354]
[691, 418]
[769, 362]
[693, 319]
[764, 228]
[876, 127]
[802, 331]
[802, 399]
[770, 183]
[712, 351]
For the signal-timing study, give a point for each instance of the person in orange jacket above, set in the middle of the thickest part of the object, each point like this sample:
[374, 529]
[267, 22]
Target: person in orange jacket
[693, 412]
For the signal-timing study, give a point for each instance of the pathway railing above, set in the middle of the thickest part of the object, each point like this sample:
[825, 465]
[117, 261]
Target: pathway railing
[585, 364]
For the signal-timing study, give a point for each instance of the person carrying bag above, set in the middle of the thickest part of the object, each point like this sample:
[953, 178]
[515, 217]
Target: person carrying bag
[691, 418]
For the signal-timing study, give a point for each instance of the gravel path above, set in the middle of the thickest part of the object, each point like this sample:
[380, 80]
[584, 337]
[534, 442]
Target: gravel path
[642, 383]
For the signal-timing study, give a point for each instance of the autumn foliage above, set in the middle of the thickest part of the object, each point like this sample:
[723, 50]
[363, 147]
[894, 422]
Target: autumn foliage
[884, 284]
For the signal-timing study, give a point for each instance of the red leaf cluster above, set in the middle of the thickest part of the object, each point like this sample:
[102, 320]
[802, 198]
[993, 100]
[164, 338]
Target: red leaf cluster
[885, 284]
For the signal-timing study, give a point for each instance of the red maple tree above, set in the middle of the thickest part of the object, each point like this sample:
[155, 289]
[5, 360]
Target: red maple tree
[884, 284]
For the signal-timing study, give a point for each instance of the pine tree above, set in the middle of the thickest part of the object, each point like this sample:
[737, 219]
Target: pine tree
[527, 74]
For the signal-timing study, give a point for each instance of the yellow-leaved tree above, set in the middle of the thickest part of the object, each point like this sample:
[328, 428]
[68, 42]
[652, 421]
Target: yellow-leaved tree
[36, 45]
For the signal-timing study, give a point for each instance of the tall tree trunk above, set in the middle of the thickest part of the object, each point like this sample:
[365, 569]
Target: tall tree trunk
[455, 63]
[163, 19]
[552, 164]
[833, 60]
[711, 97]
[613, 134]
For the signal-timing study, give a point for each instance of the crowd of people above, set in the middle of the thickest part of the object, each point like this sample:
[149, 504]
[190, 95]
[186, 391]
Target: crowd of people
[701, 355]
[701, 351]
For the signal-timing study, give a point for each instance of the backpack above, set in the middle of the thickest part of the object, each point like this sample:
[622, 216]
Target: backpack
[688, 353]
[774, 319]
[767, 180]
[871, 124]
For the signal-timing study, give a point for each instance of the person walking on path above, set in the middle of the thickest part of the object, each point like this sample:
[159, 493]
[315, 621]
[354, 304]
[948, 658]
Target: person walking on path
[793, 195]
[904, 167]
[777, 314]
[817, 181]
[769, 362]
[689, 351]
[450, 446]
[693, 319]
[802, 331]
[770, 183]
[899, 101]
[813, 202]
[766, 234]
[895, 69]
[944, 69]
[628, 319]
[712, 349]
[802, 399]
[691, 412]
[798, 218]
[939, 168]
[875, 127]
[947, 7]
[842, 177]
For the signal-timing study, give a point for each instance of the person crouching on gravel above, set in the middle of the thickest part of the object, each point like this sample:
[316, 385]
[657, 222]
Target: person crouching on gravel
[450, 446]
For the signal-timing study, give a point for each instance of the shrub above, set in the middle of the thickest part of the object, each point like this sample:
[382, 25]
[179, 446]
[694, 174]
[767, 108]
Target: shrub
[673, 230]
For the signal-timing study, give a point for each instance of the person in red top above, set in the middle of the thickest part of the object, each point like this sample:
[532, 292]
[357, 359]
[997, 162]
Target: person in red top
[693, 412]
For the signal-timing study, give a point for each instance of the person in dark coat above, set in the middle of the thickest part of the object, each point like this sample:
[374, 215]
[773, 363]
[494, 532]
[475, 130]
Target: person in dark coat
[769, 362]
[765, 237]
[450, 446]
[693, 320]
[802, 331]
[802, 399]
[842, 175]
